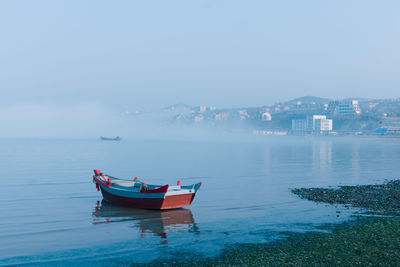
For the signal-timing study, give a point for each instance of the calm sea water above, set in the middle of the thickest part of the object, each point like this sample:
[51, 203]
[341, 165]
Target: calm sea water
[51, 213]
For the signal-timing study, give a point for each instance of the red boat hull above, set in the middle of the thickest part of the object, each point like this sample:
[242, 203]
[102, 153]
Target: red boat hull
[169, 202]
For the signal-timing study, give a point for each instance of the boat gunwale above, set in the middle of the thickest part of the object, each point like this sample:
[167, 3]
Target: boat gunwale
[171, 191]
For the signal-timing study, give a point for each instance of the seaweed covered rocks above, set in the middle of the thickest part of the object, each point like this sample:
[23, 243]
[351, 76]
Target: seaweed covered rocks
[379, 198]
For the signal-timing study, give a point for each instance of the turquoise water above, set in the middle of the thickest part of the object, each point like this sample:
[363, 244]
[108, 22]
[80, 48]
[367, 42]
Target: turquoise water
[52, 214]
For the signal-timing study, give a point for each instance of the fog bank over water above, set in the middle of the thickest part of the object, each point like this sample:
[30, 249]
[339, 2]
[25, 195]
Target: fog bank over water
[91, 120]
[57, 121]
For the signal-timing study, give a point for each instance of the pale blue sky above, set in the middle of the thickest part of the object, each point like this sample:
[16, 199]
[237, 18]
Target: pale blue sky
[223, 53]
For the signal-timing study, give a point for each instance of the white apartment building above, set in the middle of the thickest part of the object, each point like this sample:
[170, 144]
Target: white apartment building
[323, 125]
[311, 121]
[319, 124]
[315, 124]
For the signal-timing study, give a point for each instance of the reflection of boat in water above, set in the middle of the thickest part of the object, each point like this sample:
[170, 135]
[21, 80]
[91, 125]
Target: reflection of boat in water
[149, 221]
[110, 138]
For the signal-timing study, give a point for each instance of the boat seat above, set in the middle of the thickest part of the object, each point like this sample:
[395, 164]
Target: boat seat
[123, 183]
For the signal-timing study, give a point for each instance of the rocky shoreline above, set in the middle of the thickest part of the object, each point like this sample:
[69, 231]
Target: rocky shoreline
[367, 241]
[383, 198]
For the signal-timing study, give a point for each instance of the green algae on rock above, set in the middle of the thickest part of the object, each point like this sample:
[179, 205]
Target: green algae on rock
[369, 241]
[379, 198]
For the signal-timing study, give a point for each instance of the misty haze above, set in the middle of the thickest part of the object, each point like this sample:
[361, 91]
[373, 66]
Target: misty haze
[206, 133]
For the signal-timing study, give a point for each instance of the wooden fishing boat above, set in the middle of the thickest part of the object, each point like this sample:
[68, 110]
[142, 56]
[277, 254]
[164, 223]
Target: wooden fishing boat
[137, 194]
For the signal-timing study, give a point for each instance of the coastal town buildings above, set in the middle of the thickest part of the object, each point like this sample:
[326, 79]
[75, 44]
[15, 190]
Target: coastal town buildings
[315, 124]
[243, 115]
[198, 119]
[322, 126]
[202, 109]
[299, 126]
[266, 116]
[390, 126]
[346, 108]
[302, 116]
[221, 116]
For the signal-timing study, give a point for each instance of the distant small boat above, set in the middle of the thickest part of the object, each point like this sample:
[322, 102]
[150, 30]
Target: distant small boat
[110, 138]
[137, 194]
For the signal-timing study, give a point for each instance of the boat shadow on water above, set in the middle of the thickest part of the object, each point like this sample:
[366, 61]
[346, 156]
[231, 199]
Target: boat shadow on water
[153, 222]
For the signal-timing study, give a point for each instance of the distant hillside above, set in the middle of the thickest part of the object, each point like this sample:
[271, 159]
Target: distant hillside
[309, 100]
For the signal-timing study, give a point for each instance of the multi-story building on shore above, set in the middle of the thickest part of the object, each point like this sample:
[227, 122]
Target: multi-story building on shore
[347, 108]
[299, 126]
[315, 124]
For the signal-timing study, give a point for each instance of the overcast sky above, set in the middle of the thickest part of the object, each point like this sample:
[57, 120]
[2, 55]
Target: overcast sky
[224, 53]
[150, 54]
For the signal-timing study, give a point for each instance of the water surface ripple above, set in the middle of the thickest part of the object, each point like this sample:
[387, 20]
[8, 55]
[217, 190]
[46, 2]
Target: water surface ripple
[51, 212]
